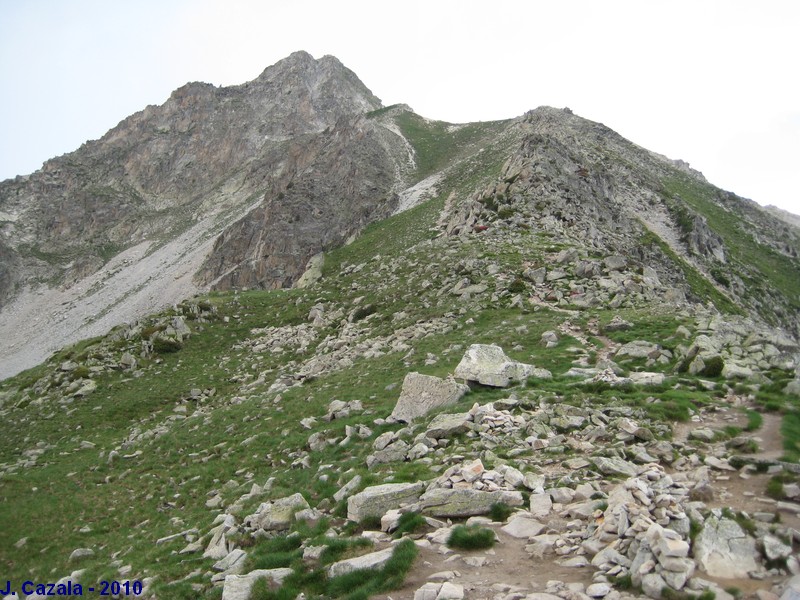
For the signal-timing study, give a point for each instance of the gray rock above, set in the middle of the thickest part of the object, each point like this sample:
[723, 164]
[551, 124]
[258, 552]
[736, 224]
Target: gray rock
[614, 466]
[734, 371]
[523, 527]
[233, 563]
[637, 349]
[598, 590]
[644, 378]
[774, 548]
[348, 488]
[704, 434]
[423, 393]
[375, 501]
[277, 515]
[723, 549]
[540, 505]
[374, 560]
[792, 591]
[429, 591]
[442, 502]
[615, 262]
[80, 554]
[489, 365]
[652, 584]
[238, 587]
[450, 591]
[448, 425]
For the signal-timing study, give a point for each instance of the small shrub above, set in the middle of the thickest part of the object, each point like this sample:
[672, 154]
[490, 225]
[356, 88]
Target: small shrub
[165, 345]
[499, 511]
[471, 538]
[517, 286]
[775, 488]
[713, 367]
[81, 372]
[370, 523]
[695, 527]
[362, 312]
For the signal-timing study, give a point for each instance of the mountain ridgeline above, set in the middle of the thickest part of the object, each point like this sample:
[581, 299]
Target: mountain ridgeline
[239, 187]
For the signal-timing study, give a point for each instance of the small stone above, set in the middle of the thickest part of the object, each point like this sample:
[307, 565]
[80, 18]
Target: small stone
[598, 590]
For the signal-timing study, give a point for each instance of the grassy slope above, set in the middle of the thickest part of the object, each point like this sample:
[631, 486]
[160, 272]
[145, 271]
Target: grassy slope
[129, 504]
[759, 266]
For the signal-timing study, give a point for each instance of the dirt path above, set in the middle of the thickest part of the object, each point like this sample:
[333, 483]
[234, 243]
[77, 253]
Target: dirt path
[505, 568]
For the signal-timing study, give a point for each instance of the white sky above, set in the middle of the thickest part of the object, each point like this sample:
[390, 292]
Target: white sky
[716, 83]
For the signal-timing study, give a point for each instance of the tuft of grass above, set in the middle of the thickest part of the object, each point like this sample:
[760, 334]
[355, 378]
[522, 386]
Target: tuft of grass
[754, 421]
[775, 488]
[500, 511]
[471, 538]
[337, 548]
[409, 523]
[275, 553]
[790, 429]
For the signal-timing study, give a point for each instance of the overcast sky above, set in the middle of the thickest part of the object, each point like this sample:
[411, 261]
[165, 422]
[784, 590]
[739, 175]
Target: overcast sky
[712, 82]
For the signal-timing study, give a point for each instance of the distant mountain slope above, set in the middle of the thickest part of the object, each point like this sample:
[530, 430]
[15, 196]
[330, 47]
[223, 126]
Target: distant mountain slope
[238, 187]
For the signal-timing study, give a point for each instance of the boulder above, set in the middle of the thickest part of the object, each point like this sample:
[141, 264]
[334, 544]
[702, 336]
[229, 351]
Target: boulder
[373, 560]
[238, 587]
[487, 364]
[277, 515]
[465, 502]
[448, 425]
[523, 527]
[422, 393]
[614, 466]
[723, 549]
[615, 262]
[348, 488]
[637, 349]
[375, 501]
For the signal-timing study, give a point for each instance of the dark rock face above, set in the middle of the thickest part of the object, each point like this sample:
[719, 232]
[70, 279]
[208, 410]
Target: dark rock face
[339, 181]
[158, 171]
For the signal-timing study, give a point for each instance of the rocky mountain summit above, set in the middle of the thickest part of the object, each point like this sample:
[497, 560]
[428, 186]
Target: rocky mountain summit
[525, 359]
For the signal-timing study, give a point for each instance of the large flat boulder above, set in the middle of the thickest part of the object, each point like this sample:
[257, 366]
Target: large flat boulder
[375, 501]
[422, 393]
[487, 364]
[465, 502]
[723, 549]
[374, 560]
[277, 515]
[238, 587]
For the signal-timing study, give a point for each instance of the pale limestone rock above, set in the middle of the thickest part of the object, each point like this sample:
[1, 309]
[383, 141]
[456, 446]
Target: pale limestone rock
[348, 488]
[488, 365]
[422, 393]
[723, 549]
[277, 515]
[441, 502]
[523, 527]
[373, 560]
[447, 425]
[375, 501]
[238, 587]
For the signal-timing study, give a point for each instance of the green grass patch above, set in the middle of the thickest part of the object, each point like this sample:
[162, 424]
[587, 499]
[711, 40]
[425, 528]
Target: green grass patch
[755, 420]
[471, 538]
[499, 511]
[410, 522]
